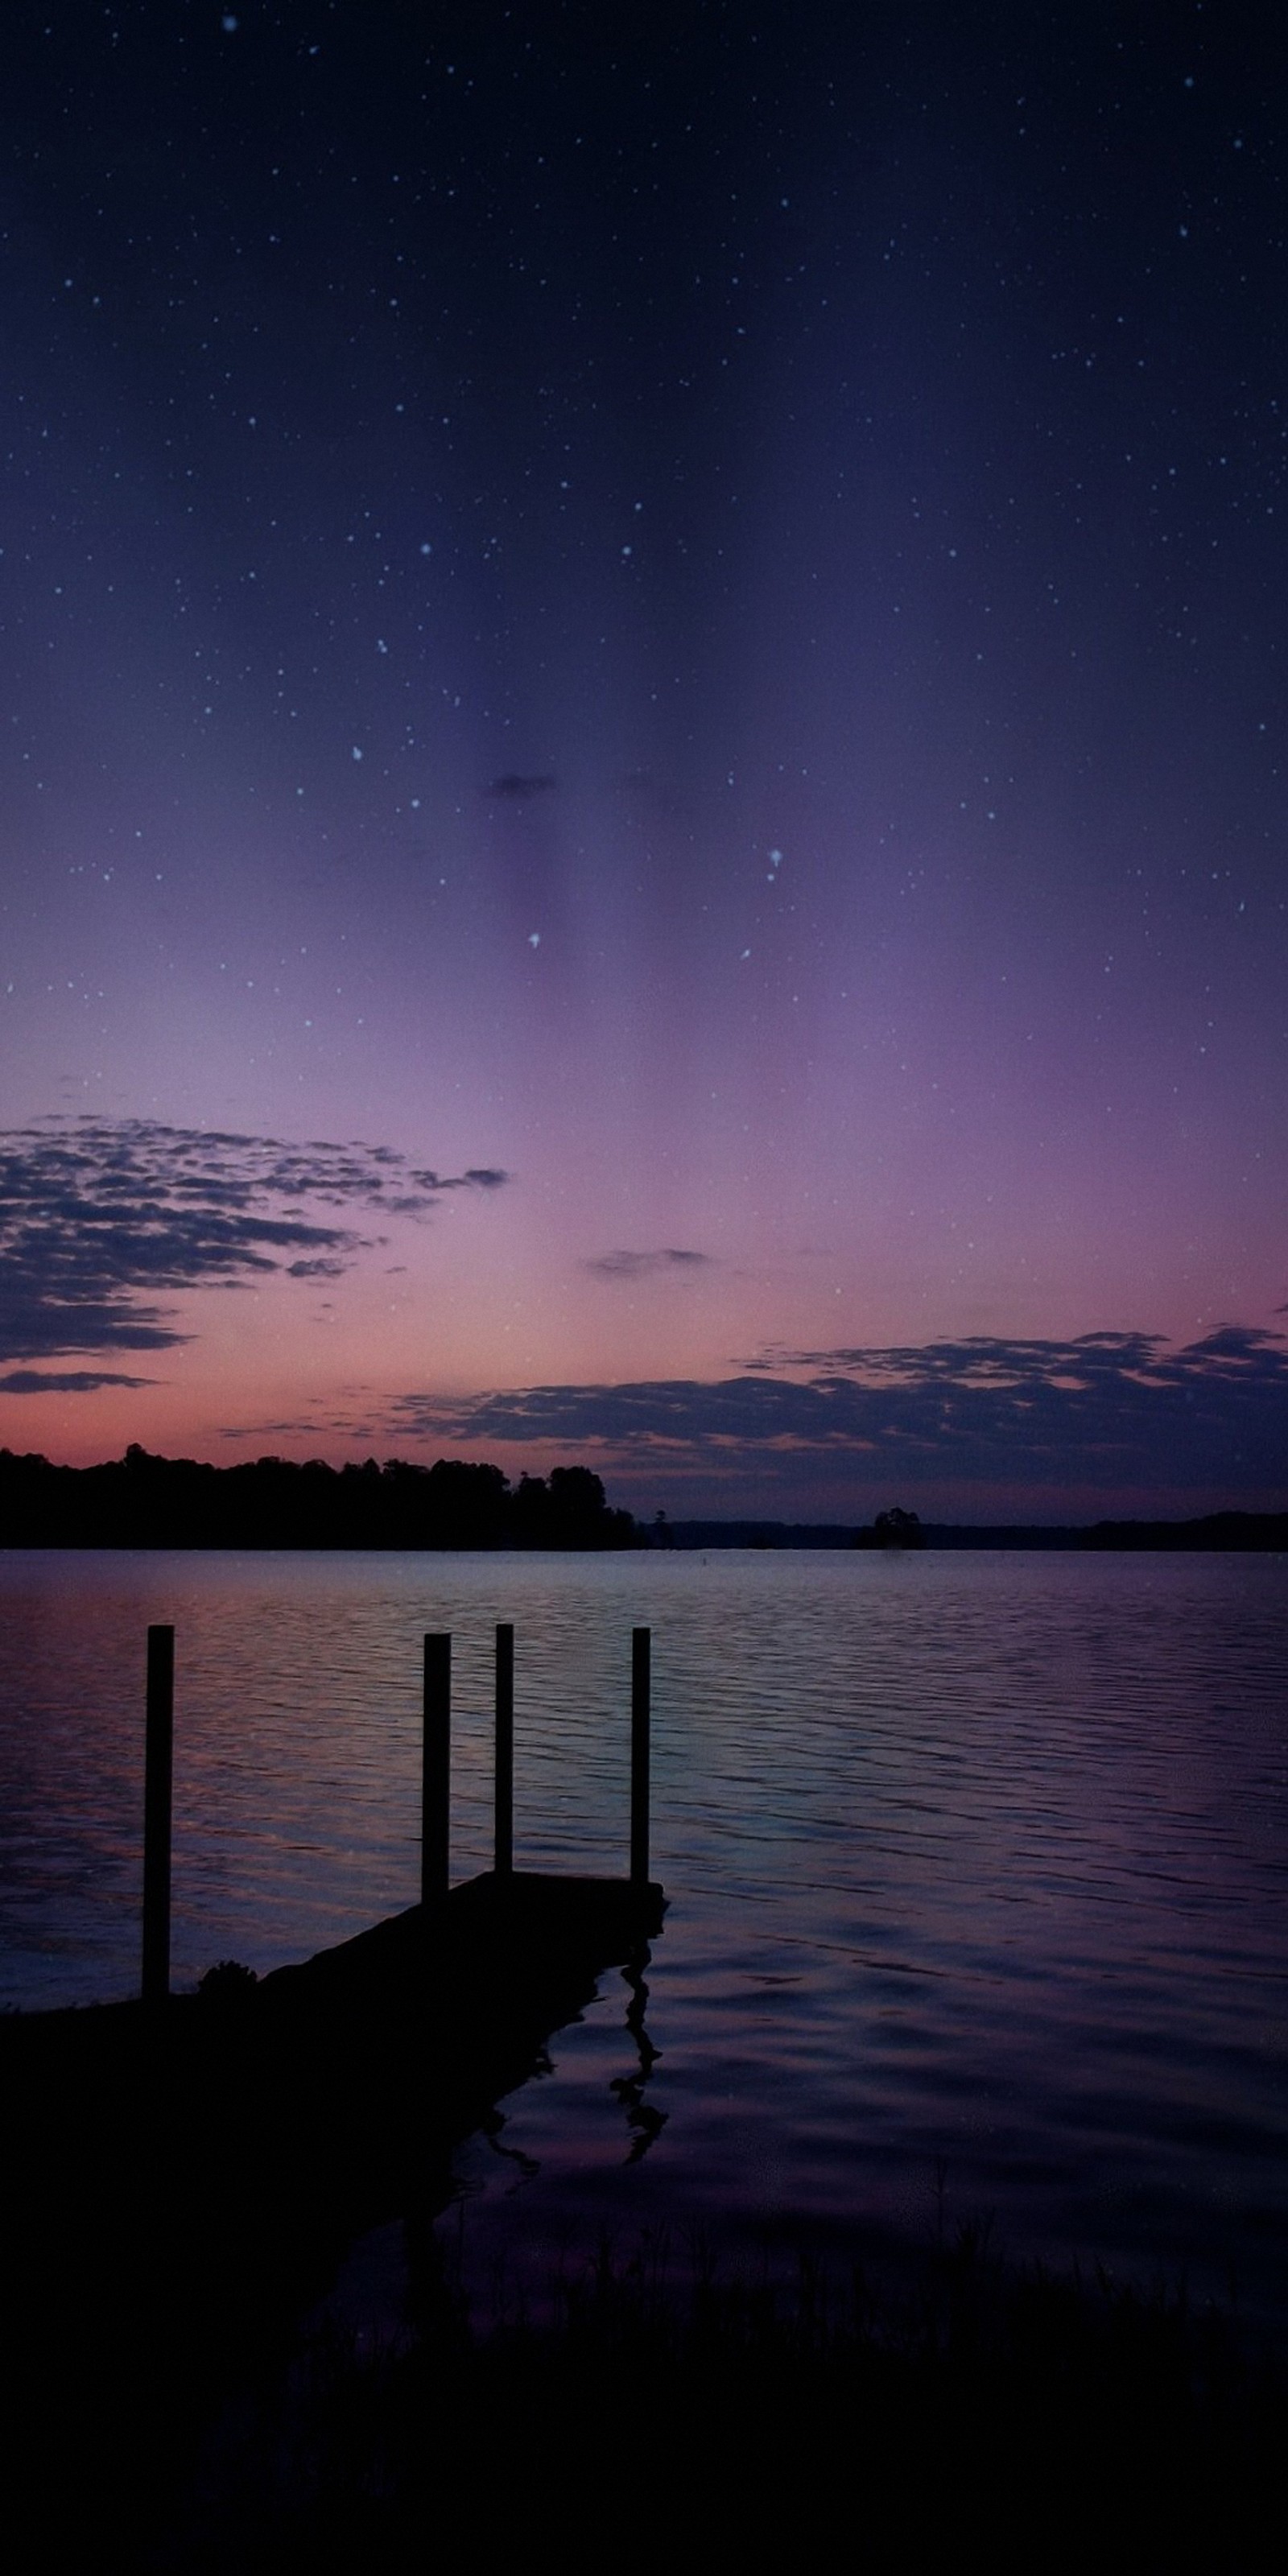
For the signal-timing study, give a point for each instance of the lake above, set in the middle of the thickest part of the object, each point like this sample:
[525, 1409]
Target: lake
[977, 1868]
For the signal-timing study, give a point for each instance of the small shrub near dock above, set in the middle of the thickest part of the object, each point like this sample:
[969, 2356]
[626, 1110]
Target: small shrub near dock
[229, 1981]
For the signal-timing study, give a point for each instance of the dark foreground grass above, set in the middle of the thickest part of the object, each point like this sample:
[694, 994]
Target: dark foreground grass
[1030, 2422]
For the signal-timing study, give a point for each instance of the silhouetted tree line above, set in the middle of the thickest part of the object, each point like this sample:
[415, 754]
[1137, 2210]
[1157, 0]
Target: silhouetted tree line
[146, 1501]
[1245, 1530]
[1238, 1530]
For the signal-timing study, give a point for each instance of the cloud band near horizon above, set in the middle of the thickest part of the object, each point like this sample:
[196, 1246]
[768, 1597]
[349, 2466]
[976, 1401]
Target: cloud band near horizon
[1109, 1410]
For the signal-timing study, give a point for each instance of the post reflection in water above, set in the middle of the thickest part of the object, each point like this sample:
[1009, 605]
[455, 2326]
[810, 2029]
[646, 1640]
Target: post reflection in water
[643, 2119]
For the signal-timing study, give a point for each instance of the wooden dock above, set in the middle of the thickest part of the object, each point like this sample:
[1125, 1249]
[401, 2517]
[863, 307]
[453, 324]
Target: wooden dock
[182, 2173]
[232, 2149]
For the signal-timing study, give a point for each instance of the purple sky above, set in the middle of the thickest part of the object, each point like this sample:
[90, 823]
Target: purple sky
[678, 628]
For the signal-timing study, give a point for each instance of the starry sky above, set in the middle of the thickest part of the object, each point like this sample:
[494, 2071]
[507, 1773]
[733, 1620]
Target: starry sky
[643, 733]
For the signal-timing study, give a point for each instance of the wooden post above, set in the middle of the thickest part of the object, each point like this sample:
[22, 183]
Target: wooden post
[640, 1642]
[158, 1774]
[503, 1836]
[436, 1759]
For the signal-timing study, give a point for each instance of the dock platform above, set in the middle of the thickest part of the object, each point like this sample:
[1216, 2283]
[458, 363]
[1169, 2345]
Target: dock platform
[184, 2173]
[181, 2184]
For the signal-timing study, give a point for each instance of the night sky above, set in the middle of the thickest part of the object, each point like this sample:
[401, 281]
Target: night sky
[644, 737]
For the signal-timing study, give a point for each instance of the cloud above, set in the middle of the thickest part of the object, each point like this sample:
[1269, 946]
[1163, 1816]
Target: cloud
[514, 784]
[100, 1220]
[645, 1265]
[1108, 1410]
[65, 1381]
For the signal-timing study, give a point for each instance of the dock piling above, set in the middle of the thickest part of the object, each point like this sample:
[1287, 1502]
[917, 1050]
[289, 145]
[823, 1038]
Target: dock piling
[503, 1834]
[435, 1826]
[158, 1775]
[641, 1639]
[436, 1758]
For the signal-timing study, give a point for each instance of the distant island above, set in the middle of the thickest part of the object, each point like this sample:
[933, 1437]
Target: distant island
[1238, 1530]
[145, 1501]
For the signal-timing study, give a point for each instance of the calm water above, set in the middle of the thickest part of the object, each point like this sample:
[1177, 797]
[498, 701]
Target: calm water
[977, 1868]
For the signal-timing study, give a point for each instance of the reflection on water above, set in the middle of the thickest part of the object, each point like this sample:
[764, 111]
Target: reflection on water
[644, 2120]
[976, 1864]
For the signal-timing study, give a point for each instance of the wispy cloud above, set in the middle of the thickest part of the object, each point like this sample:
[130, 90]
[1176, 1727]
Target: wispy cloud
[1109, 1410]
[65, 1381]
[100, 1220]
[646, 1265]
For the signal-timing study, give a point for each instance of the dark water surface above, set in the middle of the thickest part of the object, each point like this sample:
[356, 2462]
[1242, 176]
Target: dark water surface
[977, 1868]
